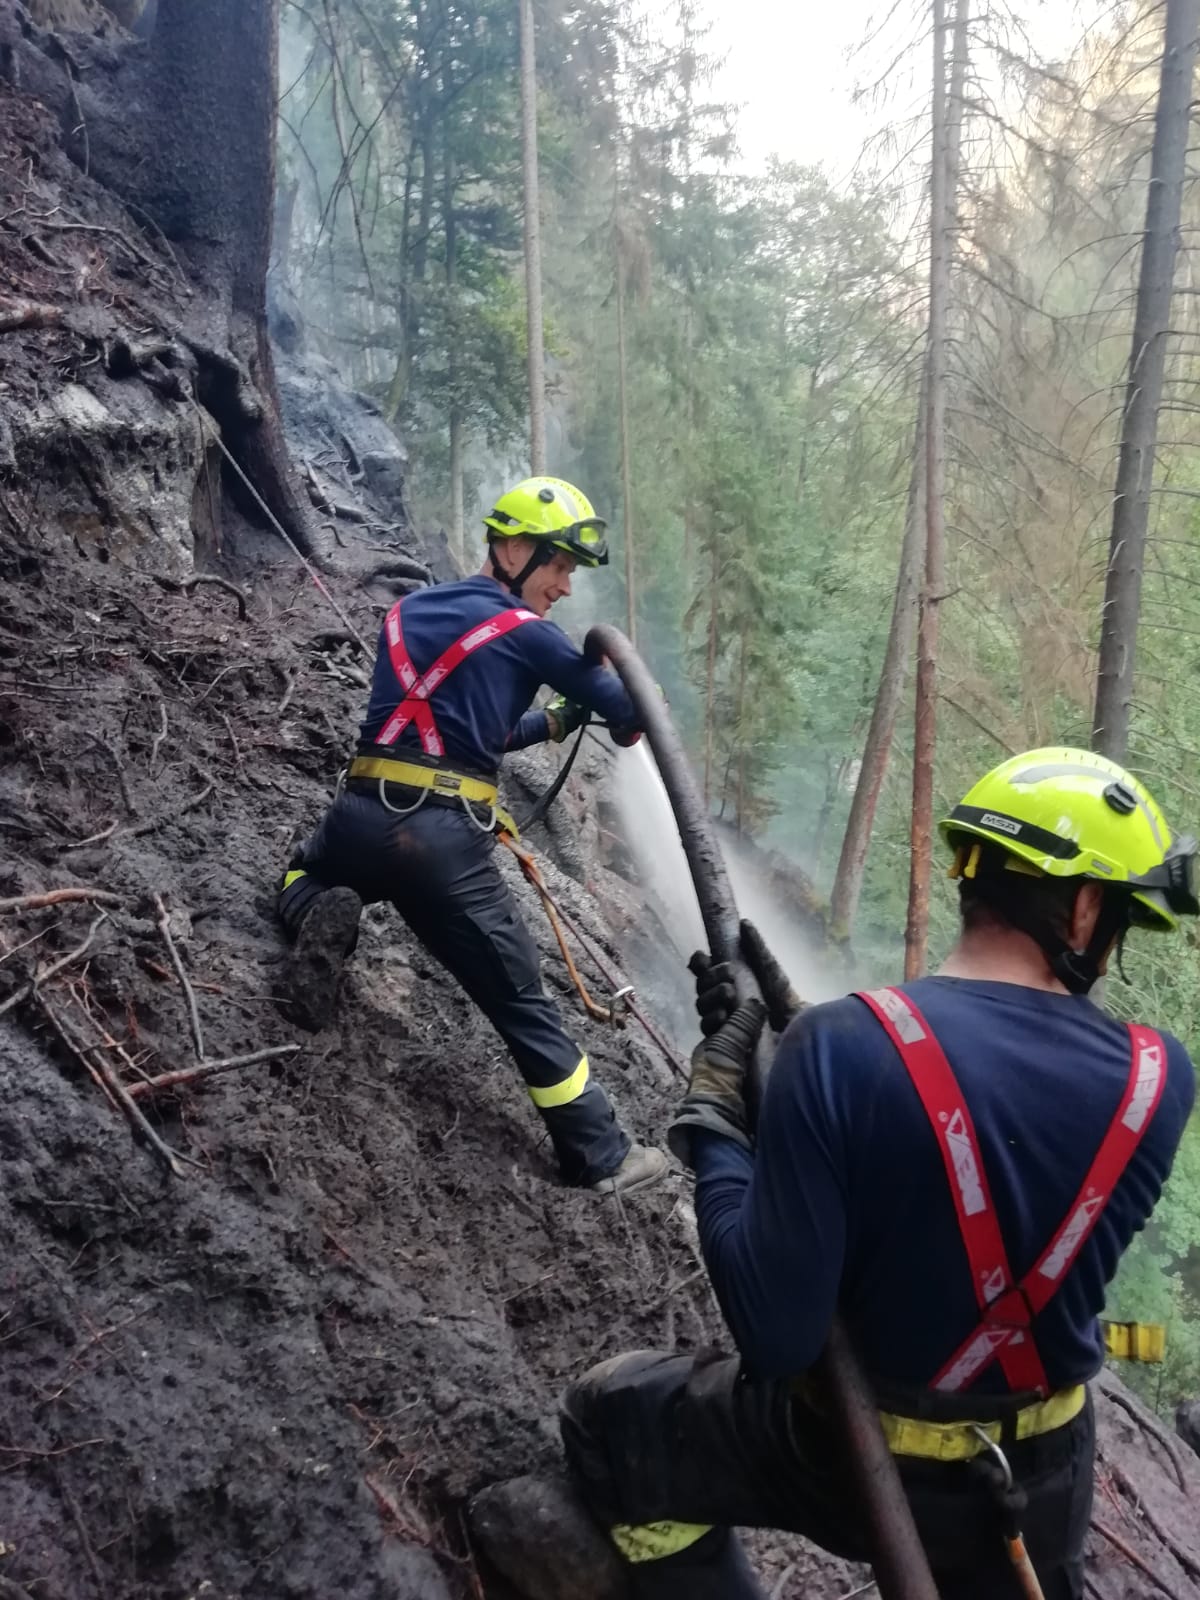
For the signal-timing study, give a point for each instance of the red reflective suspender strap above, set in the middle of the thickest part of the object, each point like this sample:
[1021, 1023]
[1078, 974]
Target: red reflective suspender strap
[996, 1338]
[417, 689]
[1147, 1079]
[1003, 1334]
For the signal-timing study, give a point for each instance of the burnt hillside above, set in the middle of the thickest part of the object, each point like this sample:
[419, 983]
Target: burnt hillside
[267, 1344]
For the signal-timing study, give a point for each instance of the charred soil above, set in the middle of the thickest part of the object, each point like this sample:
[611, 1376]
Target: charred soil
[281, 1370]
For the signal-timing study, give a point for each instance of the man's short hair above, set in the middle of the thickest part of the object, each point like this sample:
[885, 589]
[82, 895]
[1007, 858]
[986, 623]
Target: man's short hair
[998, 897]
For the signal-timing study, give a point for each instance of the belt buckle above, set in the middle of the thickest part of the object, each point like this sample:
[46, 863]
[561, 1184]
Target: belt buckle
[447, 783]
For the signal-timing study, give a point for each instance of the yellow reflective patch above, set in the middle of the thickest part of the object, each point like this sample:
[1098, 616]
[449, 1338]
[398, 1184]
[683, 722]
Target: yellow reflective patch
[561, 1094]
[292, 876]
[654, 1540]
[1135, 1341]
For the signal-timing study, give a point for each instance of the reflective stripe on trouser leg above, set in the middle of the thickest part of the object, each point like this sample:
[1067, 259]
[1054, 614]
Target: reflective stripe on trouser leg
[296, 899]
[655, 1540]
[562, 1093]
[456, 901]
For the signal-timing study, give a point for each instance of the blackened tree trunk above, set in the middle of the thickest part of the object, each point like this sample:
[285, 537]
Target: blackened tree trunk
[1143, 391]
[190, 143]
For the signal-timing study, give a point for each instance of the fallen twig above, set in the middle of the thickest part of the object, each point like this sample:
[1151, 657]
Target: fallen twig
[164, 927]
[99, 1071]
[237, 749]
[1171, 1446]
[122, 776]
[16, 314]
[58, 897]
[55, 968]
[1134, 1559]
[13, 1591]
[207, 1069]
[159, 736]
[93, 838]
[186, 585]
[1187, 1561]
[287, 694]
[234, 666]
[141, 829]
[81, 1533]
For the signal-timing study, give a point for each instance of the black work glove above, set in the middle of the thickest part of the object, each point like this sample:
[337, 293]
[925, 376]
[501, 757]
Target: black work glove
[716, 984]
[716, 991]
[715, 1099]
[564, 717]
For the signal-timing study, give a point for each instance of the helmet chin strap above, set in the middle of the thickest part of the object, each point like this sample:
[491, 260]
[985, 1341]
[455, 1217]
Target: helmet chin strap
[1078, 970]
[541, 554]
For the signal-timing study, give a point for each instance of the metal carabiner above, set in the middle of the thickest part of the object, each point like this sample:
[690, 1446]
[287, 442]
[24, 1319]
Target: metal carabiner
[618, 1006]
[1006, 1494]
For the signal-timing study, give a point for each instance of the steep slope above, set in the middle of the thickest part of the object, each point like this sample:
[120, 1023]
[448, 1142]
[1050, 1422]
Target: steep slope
[280, 1372]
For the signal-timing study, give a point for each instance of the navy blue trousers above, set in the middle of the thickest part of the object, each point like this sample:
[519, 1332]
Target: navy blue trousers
[437, 868]
[661, 1439]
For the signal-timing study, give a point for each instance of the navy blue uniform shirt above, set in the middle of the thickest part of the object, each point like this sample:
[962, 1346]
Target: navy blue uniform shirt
[847, 1200]
[482, 710]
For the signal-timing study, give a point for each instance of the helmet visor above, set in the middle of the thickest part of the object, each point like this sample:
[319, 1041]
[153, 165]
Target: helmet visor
[586, 540]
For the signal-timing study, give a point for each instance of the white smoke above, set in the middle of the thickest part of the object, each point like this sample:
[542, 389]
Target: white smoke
[650, 832]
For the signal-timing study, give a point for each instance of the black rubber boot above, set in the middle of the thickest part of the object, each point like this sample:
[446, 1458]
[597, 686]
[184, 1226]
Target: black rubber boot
[327, 936]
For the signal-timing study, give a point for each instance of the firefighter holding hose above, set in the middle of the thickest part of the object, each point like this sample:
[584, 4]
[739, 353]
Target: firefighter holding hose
[415, 823]
[958, 1165]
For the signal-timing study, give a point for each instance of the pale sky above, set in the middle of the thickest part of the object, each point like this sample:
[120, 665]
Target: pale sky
[794, 68]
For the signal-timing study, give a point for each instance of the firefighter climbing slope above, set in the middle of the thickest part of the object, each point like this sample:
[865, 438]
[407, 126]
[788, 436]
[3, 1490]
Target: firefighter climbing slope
[958, 1165]
[457, 669]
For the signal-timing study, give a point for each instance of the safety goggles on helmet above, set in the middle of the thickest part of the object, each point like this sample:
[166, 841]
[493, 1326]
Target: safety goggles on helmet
[584, 539]
[1174, 879]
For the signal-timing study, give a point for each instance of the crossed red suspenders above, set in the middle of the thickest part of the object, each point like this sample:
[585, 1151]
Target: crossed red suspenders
[1008, 1309]
[418, 687]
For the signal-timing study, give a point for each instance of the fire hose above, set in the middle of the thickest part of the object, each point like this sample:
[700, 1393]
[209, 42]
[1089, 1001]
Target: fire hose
[901, 1568]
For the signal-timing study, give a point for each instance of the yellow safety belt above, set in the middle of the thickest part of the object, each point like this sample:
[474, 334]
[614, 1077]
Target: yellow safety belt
[962, 1441]
[438, 780]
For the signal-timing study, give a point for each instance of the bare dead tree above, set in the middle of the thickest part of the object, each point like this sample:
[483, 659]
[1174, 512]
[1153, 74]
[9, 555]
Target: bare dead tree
[533, 242]
[623, 406]
[916, 931]
[1144, 386]
[893, 675]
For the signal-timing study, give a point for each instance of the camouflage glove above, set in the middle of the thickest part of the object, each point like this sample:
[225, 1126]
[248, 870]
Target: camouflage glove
[715, 1099]
[565, 717]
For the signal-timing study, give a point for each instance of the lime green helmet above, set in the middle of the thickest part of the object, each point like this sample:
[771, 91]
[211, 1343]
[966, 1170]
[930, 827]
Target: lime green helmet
[553, 510]
[1071, 814]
